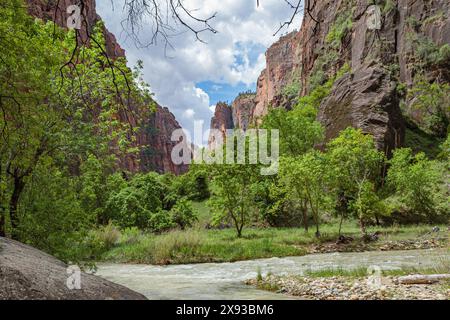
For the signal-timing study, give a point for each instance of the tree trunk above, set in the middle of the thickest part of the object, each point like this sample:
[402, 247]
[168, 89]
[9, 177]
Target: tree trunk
[13, 205]
[2, 208]
[317, 231]
[2, 221]
[362, 227]
[377, 219]
[305, 216]
[340, 223]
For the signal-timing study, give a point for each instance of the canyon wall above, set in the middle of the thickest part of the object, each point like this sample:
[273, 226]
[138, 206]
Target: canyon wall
[382, 58]
[282, 66]
[154, 136]
[221, 121]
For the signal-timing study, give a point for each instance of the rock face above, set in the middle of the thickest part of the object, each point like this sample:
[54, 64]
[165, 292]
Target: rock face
[47, 10]
[282, 63]
[154, 139]
[365, 99]
[222, 121]
[243, 108]
[338, 32]
[237, 116]
[29, 274]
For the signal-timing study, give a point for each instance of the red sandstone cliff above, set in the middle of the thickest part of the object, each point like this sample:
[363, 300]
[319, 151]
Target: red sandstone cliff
[222, 121]
[380, 60]
[154, 137]
[243, 107]
[282, 64]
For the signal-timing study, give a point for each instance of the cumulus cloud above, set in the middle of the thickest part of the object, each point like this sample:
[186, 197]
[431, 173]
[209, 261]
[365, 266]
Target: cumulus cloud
[235, 55]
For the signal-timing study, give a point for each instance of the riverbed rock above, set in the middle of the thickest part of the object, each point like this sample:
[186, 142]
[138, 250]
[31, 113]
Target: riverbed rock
[349, 288]
[27, 273]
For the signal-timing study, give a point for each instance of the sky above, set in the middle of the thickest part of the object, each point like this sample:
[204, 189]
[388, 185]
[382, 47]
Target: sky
[191, 76]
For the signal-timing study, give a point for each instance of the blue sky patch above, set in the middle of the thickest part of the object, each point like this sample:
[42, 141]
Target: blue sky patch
[222, 91]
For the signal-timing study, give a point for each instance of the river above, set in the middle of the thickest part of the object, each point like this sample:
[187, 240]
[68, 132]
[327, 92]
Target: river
[225, 281]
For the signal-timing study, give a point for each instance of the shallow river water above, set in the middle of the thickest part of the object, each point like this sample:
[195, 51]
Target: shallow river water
[225, 281]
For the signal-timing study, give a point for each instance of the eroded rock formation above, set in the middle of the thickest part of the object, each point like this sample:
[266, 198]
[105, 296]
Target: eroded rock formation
[243, 108]
[282, 65]
[222, 121]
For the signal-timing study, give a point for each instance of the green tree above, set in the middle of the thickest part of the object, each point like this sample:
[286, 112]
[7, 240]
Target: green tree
[183, 214]
[306, 179]
[355, 165]
[433, 100]
[58, 101]
[51, 215]
[232, 197]
[418, 183]
[299, 130]
[139, 204]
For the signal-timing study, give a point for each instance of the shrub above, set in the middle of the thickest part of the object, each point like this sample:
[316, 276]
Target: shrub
[176, 246]
[417, 183]
[107, 236]
[340, 28]
[183, 214]
[139, 204]
[130, 235]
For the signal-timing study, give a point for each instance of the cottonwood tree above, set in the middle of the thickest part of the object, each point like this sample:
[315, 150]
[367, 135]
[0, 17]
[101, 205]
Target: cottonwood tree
[306, 179]
[232, 198]
[355, 163]
[233, 191]
[418, 183]
[299, 130]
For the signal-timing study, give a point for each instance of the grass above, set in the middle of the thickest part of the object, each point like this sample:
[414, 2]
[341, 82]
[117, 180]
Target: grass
[204, 213]
[201, 245]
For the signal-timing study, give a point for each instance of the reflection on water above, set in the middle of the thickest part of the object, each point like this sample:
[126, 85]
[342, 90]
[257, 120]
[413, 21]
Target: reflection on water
[224, 281]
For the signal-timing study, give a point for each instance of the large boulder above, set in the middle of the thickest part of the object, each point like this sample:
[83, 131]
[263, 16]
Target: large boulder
[365, 99]
[27, 273]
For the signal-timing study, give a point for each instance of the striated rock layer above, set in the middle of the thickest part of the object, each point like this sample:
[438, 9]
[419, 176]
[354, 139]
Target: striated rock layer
[282, 64]
[154, 137]
[243, 108]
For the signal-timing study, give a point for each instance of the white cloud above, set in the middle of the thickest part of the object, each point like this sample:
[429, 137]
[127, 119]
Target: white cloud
[173, 74]
[189, 113]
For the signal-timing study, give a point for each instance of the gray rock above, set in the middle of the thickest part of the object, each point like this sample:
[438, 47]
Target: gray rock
[27, 273]
[364, 99]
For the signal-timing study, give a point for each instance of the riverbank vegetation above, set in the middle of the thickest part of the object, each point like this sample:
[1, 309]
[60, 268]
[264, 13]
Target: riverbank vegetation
[201, 245]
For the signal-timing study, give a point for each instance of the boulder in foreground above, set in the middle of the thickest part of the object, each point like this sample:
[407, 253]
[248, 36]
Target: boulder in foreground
[27, 273]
